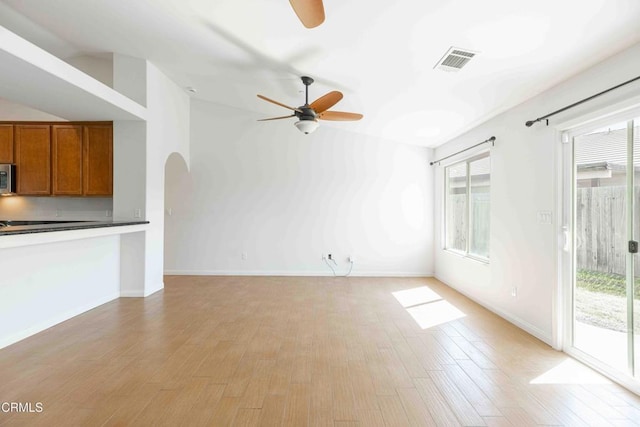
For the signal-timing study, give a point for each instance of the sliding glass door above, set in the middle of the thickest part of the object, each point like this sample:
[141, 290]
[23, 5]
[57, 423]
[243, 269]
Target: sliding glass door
[606, 220]
[634, 262]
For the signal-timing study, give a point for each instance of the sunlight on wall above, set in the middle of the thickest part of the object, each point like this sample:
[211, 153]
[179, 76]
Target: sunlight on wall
[426, 307]
[570, 372]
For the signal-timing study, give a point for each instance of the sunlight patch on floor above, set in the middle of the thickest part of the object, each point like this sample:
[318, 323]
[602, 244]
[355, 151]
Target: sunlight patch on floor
[416, 296]
[570, 372]
[435, 313]
[426, 307]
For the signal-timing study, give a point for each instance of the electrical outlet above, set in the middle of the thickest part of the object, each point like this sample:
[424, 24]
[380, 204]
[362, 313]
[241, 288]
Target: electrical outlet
[137, 213]
[244, 256]
[514, 292]
[108, 213]
[351, 258]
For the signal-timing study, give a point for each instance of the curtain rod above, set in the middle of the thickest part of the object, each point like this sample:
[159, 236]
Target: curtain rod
[491, 140]
[539, 119]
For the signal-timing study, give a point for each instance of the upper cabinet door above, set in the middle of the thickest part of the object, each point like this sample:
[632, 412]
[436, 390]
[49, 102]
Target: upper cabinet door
[66, 143]
[98, 160]
[33, 159]
[6, 143]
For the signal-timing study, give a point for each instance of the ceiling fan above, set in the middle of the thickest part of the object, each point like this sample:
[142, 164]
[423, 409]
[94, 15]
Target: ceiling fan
[308, 114]
[310, 12]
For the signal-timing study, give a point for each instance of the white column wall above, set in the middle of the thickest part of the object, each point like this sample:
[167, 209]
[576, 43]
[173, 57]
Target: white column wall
[140, 152]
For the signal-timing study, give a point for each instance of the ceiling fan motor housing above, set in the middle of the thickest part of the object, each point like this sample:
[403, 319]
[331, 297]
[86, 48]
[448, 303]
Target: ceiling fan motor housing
[308, 118]
[306, 114]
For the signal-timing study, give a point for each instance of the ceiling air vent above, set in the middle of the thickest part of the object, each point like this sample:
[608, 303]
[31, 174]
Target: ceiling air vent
[455, 59]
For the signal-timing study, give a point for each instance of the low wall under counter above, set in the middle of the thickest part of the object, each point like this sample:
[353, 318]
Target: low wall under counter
[50, 275]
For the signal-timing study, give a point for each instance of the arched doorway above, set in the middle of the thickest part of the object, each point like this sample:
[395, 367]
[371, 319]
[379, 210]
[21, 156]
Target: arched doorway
[178, 190]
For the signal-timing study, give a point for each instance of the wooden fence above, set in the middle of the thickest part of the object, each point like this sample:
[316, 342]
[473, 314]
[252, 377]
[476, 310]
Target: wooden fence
[601, 229]
[458, 230]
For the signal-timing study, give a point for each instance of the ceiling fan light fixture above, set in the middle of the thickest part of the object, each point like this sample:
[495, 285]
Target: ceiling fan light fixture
[309, 114]
[307, 126]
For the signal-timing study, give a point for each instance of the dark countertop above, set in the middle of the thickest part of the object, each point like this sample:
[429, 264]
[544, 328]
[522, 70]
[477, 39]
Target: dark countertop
[63, 226]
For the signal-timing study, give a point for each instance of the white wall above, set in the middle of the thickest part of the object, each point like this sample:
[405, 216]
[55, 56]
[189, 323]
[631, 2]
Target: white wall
[284, 198]
[98, 67]
[525, 181]
[71, 277]
[14, 112]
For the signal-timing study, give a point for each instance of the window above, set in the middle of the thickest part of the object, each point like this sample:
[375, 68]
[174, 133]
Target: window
[467, 206]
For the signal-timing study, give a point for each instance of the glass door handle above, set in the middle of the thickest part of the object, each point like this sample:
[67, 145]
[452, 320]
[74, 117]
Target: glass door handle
[565, 239]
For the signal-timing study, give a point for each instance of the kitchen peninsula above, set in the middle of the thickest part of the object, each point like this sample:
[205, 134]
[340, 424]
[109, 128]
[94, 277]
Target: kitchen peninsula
[52, 272]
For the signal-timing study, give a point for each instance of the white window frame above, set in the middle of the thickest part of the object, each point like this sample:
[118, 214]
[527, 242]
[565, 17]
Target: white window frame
[466, 253]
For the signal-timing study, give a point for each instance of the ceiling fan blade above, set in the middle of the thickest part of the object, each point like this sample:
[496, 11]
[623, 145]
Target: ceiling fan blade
[310, 12]
[278, 103]
[340, 116]
[326, 101]
[277, 118]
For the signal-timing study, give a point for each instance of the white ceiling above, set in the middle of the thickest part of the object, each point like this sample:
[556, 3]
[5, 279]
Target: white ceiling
[379, 53]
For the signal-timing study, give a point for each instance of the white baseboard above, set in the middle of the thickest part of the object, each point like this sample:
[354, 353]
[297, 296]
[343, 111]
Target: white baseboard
[19, 336]
[132, 294]
[304, 273]
[522, 324]
[392, 274]
[141, 293]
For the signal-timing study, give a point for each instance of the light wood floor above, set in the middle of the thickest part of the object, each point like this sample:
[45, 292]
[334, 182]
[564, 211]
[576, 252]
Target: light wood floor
[300, 351]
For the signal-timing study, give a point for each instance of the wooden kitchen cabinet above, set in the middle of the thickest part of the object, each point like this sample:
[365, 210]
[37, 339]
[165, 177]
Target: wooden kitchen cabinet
[60, 158]
[66, 160]
[98, 160]
[33, 159]
[6, 143]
